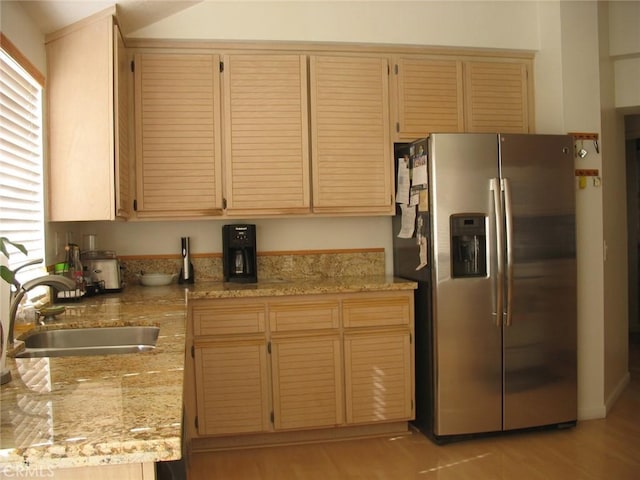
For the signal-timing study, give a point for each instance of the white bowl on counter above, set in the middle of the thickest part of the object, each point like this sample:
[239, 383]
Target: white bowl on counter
[156, 279]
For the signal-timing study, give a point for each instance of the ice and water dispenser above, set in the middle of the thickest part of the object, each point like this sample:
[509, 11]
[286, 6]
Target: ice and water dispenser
[468, 246]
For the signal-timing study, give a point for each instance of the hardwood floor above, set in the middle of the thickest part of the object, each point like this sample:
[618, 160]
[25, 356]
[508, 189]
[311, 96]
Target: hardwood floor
[595, 449]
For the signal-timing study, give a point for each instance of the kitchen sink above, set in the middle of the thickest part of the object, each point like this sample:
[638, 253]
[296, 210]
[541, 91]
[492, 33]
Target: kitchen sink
[90, 341]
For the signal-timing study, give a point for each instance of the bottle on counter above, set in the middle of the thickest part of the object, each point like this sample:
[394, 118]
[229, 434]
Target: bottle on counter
[74, 270]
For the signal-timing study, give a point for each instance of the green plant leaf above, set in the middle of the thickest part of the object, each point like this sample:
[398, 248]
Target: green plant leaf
[3, 246]
[7, 275]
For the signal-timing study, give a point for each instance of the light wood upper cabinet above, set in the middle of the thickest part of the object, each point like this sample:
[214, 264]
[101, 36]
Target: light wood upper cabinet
[87, 121]
[432, 94]
[429, 96]
[496, 96]
[266, 134]
[178, 135]
[352, 164]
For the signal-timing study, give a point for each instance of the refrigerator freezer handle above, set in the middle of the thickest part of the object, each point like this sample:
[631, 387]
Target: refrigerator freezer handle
[495, 188]
[508, 213]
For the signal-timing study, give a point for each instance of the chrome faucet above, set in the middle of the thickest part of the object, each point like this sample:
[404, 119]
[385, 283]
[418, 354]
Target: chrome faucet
[57, 281]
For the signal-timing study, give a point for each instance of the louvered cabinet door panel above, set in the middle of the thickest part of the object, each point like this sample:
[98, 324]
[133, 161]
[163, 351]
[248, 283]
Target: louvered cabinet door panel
[351, 148]
[307, 382]
[378, 309]
[121, 116]
[378, 377]
[266, 134]
[232, 390]
[178, 147]
[429, 96]
[496, 97]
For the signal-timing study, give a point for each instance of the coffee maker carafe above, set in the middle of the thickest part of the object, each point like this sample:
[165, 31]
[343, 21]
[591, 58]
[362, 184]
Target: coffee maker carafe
[239, 253]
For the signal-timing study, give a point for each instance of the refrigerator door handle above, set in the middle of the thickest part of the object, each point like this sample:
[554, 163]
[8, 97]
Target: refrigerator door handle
[508, 213]
[495, 188]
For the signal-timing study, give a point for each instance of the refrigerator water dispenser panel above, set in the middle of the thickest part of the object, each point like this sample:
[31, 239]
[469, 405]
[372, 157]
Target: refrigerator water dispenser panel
[468, 246]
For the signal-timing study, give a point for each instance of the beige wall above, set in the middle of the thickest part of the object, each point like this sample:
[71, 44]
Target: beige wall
[564, 36]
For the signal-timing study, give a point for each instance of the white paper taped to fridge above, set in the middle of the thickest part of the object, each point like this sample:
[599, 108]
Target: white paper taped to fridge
[419, 175]
[408, 221]
[423, 249]
[404, 181]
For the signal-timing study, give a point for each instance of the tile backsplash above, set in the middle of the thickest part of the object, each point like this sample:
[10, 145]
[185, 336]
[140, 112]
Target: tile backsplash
[271, 265]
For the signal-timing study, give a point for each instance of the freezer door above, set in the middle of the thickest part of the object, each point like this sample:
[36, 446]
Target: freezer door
[540, 330]
[467, 336]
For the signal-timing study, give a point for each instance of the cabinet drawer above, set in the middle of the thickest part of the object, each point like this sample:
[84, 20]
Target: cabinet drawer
[310, 314]
[377, 310]
[226, 319]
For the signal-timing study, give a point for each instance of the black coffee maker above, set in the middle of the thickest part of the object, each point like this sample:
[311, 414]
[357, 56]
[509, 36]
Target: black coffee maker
[239, 261]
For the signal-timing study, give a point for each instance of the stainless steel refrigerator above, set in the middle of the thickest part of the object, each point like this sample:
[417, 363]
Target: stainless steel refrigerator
[494, 252]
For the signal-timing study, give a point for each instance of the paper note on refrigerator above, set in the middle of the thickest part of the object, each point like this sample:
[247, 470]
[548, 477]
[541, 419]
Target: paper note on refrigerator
[408, 221]
[403, 182]
[419, 174]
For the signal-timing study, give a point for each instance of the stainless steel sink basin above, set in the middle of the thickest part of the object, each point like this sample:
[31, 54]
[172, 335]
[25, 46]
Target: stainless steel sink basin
[90, 341]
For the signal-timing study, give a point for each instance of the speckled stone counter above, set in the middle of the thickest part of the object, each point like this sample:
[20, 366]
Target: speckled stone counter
[98, 410]
[374, 283]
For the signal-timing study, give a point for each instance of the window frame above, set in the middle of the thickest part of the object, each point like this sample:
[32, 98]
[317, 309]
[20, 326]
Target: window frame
[22, 73]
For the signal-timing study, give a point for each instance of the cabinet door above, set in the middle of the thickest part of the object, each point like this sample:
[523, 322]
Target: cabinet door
[428, 97]
[378, 377]
[232, 389]
[121, 105]
[80, 110]
[496, 96]
[178, 147]
[307, 382]
[352, 165]
[266, 134]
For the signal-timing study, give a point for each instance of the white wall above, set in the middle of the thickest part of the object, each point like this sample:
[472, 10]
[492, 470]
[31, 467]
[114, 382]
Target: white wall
[624, 44]
[23, 33]
[616, 302]
[489, 24]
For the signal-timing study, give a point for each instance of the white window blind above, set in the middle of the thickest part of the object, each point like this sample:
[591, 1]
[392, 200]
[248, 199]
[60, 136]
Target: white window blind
[21, 177]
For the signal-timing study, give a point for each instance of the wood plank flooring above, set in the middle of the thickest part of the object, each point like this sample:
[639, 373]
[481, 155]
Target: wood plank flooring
[594, 450]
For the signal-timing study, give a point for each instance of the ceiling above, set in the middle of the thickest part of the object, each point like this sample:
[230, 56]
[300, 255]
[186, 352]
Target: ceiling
[51, 15]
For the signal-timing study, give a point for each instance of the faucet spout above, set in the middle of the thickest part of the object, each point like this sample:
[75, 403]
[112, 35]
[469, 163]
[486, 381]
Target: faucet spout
[56, 281]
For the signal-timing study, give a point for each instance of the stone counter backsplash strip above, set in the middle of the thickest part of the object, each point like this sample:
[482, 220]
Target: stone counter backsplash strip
[271, 265]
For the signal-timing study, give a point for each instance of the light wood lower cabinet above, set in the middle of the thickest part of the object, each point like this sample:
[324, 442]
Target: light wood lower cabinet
[307, 382]
[378, 376]
[232, 394]
[300, 363]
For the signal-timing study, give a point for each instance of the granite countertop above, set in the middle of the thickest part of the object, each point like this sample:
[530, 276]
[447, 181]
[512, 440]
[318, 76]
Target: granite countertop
[96, 410]
[114, 409]
[280, 288]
